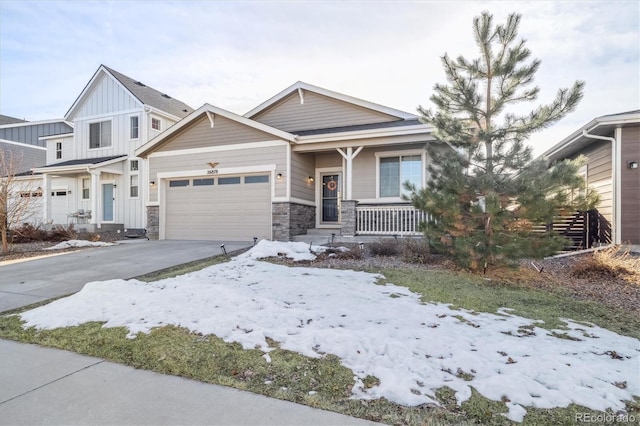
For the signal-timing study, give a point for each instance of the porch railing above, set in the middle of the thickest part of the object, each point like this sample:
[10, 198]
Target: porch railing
[389, 220]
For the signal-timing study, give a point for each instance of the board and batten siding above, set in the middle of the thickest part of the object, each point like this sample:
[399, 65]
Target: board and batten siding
[317, 112]
[630, 186]
[227, 159]
[30, 133]
[106, 97]
[303, 166]
[67, 149]
[199, 134]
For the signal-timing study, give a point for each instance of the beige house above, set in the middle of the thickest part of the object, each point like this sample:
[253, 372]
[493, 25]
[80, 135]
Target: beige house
[307, 159]
[612, 145]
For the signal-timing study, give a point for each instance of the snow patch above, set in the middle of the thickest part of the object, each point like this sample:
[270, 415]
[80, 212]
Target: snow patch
[412, 347]
[78, 243]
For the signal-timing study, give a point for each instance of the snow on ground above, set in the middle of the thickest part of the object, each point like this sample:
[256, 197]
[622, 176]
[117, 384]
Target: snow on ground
[413, 347]
[78, 243]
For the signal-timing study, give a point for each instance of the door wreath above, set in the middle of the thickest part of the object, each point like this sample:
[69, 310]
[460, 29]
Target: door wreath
[332, 185]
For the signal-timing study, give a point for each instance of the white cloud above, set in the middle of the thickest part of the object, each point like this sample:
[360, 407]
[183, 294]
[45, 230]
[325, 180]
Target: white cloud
[237, 54]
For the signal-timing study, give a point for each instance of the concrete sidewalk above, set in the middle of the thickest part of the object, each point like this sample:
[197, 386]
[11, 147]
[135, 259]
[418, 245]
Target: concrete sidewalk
[43, 386]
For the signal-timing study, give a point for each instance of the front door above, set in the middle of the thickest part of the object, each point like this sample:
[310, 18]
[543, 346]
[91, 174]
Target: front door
[107, 202]
[330, 198]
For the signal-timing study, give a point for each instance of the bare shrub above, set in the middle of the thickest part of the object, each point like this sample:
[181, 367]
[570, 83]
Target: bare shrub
[27, 233]
[384, 248]
[609, 263]
[415, 250]
[353, 254]
[61, 233]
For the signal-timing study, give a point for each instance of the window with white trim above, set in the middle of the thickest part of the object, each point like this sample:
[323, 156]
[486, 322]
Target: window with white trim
[155, 124]
[395, 171]
[134, 127]
[133, 186]
[100, 134]
[134, 179]
[86, 185]
[58, 150]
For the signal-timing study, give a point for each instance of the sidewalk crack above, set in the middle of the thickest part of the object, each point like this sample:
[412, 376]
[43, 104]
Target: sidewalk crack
[53, 381]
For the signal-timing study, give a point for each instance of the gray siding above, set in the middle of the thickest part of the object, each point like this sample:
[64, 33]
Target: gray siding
[630, 186]
[302, 166]
[317, 112]
[21, 158]
[364, 169]
[29, 133]
[225, 132]
[235, 158]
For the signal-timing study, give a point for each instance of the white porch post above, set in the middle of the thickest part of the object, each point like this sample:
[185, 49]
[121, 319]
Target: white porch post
[94, 197]
[349, 156]
[46, 196]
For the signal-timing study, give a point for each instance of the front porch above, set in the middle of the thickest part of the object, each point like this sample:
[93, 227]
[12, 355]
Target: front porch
[368, 222]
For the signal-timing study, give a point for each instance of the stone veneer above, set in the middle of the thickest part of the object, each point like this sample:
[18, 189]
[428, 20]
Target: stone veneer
[153, 222]
[348, 217]
[291, 219]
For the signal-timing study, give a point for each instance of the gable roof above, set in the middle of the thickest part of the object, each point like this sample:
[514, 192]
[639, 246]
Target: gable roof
[208, 109]
[300, 85]
[5, 119]
[146, 95]
[600, 126]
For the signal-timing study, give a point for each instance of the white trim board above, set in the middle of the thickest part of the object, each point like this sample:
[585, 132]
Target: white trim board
[221, 148]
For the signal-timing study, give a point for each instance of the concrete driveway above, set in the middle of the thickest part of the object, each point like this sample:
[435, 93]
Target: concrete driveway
[33, 281]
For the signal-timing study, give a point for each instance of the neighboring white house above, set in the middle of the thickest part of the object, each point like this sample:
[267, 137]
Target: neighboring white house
[91, 176]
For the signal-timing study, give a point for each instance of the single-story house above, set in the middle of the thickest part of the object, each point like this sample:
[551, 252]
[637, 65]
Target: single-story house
[307, 158]
[612, 145]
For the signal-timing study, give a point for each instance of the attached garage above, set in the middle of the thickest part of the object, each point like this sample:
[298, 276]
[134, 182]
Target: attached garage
[233, 208]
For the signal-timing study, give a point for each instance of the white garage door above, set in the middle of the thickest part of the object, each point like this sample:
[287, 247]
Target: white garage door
[233, 208]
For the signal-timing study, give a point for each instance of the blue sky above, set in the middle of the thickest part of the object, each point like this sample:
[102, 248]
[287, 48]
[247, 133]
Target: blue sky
[237, 54]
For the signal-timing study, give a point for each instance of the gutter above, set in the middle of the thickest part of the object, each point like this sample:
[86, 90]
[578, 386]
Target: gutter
[615, 180]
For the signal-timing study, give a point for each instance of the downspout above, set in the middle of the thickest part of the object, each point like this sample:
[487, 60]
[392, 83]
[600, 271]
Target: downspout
[616, 215]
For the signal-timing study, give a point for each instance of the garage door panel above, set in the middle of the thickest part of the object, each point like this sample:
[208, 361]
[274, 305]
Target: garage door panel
[235, 212]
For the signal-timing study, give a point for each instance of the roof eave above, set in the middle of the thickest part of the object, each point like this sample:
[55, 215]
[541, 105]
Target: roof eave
[614, 120]
[371, 133]
[148, 147]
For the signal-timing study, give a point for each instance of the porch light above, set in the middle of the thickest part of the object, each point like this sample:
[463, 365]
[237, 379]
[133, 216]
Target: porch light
[279, 176]
[633, 164]
[152, 184]
[310, 179]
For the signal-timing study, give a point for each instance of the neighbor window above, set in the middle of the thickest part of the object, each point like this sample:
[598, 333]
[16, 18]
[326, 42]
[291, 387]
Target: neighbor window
[155, 124]
[395, 171]
[100, 134]
[134, 125]
[133, 178]
[58, 150]
[133, 188]
[86, 182]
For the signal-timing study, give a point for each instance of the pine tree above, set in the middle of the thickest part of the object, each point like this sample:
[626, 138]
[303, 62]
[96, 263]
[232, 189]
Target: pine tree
[486, 193]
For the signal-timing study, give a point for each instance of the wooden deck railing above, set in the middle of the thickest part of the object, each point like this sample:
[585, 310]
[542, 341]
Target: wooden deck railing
[389, 220]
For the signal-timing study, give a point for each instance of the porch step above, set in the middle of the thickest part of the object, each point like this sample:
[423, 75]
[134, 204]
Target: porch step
[323, 231]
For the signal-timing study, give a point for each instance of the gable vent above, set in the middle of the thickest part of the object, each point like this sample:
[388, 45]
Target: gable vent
[164, 95]
[139, 83]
